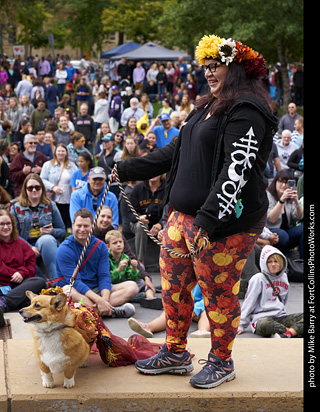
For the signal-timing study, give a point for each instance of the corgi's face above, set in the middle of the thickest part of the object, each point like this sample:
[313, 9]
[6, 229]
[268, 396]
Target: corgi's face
[45, 308]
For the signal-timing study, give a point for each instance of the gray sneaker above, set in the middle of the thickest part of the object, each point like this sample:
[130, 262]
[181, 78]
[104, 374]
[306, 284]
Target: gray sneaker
[166, 362]
[124, 311]
[214, 373]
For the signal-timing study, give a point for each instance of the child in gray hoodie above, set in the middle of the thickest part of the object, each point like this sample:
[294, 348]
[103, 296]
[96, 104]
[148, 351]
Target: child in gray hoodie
[266, 297]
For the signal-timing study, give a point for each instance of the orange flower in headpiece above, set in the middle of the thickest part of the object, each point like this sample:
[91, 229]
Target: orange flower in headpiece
[244, 53]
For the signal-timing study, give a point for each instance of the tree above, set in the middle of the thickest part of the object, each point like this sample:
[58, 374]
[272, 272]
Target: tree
[135, 18]
[273, 28]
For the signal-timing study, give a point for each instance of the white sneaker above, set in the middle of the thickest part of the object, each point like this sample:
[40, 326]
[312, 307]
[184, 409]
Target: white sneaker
[140, 328]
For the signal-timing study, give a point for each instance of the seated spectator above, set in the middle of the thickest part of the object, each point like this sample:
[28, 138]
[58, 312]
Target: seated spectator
[103, 226]
[132, 131]
[91, 194]
[56, 175]
[285, 148]
[17, 267]
[122, 268]
[165, 132]
[283, 213]
[132, 111]
[42, 146]
[5, 180]
[147, 198]
[5, 198]
[296, 162]
[93, 282]
[26, 162]
[76, 147]
[264, 305]
[151, 89]
[80, 176]
[14, 149]
[62, 135]
[39, 222]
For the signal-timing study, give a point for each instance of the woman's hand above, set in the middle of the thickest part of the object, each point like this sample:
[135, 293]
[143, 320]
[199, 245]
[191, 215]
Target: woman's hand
[46, 230]
[57, 190]
[17, 277]
[36, 251]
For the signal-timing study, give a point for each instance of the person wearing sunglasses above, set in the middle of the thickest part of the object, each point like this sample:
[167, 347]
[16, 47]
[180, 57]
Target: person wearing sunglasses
[28, 161]
[39, 222]
[216, 189]
[17, 268]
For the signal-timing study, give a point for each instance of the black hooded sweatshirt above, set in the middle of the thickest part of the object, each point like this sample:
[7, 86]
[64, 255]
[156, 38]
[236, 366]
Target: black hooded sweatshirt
[213, 164]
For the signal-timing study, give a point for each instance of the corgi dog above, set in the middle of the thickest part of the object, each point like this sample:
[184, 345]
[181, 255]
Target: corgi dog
[58, 347]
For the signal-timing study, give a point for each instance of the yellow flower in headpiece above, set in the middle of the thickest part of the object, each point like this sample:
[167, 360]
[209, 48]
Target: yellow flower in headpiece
[208, 47]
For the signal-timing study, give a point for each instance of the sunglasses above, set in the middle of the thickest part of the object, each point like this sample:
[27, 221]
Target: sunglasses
[212, 67]
[3, 224]
[32, 142]
[37, 188]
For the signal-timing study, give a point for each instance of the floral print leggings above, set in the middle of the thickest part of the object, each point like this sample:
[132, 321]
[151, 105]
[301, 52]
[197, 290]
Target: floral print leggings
[217, 270]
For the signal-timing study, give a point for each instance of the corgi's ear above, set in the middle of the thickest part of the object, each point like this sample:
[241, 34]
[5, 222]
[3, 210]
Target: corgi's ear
[59, 301]
[30, 294]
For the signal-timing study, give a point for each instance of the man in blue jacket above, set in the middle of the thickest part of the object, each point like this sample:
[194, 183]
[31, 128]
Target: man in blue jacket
[93, 282]
[91, 194]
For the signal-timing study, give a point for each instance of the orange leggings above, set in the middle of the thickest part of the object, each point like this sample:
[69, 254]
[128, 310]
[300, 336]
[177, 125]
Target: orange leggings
[217, 269]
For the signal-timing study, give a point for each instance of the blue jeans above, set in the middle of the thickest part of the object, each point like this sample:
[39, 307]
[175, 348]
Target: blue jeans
[51, 107]
[161, 89]
[48, 245]
[288, 239]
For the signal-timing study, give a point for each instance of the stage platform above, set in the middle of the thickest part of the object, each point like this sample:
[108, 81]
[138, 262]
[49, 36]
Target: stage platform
[269, 378]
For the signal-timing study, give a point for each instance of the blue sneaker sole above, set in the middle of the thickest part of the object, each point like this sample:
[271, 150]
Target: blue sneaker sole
[176, 370]
[227, 378]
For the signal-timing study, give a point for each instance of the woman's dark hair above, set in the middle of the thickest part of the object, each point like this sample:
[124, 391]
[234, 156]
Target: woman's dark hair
[237, 82]
[284, 176]
[87, 158]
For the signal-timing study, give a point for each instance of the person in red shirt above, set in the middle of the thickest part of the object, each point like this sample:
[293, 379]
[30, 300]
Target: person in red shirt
[17, 267]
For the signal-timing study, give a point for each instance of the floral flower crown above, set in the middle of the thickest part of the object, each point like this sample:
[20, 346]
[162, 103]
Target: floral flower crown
[228, 51]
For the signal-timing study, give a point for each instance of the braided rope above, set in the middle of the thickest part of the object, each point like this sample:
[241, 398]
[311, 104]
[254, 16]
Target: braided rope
[193, 250]
[75, 272]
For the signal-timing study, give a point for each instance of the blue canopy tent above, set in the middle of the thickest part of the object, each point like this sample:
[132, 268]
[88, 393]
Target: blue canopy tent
[123, 48]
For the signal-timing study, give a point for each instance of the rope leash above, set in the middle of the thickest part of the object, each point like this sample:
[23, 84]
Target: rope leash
[193, 247]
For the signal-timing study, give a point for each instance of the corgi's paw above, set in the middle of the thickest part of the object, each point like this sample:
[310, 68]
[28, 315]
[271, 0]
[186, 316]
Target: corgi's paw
[47, 380]
[68, 383]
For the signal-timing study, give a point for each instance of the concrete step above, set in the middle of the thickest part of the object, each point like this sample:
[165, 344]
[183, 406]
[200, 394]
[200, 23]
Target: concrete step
[269, 379]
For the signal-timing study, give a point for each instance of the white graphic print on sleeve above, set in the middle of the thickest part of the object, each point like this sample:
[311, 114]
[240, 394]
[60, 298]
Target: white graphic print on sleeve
[242, 160]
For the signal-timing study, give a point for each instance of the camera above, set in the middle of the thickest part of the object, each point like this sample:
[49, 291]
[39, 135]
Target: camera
[292, 184]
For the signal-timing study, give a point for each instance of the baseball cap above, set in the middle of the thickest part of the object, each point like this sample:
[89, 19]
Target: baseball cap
[107, 138]
[164, 116]
[114, 87]
[97, 172]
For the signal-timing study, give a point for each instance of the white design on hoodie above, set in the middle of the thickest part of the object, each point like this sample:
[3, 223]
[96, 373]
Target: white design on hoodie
[260, 300]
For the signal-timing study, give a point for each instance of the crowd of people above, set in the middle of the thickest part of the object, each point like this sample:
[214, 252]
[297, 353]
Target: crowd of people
[62, 132]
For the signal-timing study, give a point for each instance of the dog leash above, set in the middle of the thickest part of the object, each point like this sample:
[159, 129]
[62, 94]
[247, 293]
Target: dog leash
[193, 246]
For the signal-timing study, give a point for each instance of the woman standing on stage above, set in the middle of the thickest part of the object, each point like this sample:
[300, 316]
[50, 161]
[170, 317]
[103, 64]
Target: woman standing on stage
[216, 187]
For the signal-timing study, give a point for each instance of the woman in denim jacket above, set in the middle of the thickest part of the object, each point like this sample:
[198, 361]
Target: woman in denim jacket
[39, 222]
[56, 175]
